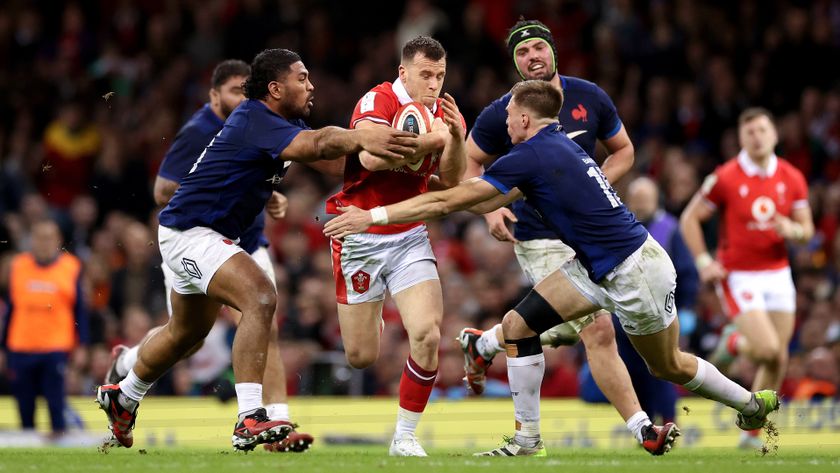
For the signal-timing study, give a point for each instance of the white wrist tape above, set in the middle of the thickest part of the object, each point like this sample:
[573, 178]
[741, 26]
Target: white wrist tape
[703, 260]
[379, 215]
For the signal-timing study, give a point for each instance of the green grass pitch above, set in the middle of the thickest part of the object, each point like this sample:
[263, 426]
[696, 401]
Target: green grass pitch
[375, 459]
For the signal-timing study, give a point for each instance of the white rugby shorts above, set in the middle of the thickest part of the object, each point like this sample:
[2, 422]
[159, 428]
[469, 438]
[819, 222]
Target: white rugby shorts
[640, 290]
[541, 257]
[261, 256]
[366, 264]
[769, 291]
[193, 256]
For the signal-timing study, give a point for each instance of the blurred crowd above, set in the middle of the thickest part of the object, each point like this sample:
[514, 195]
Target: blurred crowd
[95, 91]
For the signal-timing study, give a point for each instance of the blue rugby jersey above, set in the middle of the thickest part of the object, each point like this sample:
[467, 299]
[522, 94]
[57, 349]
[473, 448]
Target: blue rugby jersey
[587, 115]
[188, 145]
[227, 186]
[571, 195]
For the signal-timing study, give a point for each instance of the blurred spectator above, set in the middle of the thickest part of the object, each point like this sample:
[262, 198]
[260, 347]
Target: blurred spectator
[46, 321]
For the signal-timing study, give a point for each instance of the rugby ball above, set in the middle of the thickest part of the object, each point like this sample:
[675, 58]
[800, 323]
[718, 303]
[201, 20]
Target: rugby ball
[415, 118]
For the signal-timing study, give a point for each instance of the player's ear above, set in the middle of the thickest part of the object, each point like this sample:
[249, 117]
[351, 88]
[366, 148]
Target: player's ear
[215, 96]
[402, 72]
[275, 90]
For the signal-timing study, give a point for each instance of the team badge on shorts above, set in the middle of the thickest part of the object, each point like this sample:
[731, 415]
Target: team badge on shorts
[361, 281]
[191, 268]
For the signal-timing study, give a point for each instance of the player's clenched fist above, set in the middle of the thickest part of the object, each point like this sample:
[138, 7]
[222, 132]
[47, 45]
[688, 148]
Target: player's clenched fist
[388, 142]
[351, 221]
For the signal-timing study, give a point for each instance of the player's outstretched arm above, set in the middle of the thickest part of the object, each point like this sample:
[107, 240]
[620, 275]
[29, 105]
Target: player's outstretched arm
[496, 203]
[453, 161]
[333, 142]
[422, 207]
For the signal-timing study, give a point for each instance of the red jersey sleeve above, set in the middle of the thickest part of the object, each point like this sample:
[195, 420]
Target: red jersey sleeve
[713, 189]
[377, 106]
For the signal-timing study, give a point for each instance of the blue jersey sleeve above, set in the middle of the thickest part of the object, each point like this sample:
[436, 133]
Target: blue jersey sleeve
[511, 170]
[273, 134]
[187, 147]
[490, 130]
[608, 122]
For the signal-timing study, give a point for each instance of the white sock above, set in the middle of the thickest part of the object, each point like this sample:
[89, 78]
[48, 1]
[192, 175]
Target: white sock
[487, 344]
[249, 397]
[133, 389]
[278, 411]
[407, 421]
[525, 375]
[636, 422]
[711, 384]
[126, 361]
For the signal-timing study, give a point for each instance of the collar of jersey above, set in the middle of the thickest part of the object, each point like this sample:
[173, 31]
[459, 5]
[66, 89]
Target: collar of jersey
[402, 94]
[751, 169]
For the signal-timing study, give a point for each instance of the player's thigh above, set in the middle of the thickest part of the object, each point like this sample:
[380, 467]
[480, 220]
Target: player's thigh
[193, 315]
[242, 284]
[759, 330]
[784, 323]
[360, 326]
[596, 330]
[570, 292]
[421, 306]
[539, 258]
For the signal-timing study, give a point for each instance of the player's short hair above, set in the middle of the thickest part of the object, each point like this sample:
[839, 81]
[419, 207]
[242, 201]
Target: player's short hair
[539, 96]
[227, 69]
[268, 66]
[425, 45]
[752, 113]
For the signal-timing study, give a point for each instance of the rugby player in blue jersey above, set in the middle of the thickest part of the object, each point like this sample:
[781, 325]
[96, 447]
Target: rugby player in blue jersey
[588, 116]
[224, 190]
[226, 93]
[618, 266]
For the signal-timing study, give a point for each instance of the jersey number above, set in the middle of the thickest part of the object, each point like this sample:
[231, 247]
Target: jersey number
[200, 157]
[605, 186]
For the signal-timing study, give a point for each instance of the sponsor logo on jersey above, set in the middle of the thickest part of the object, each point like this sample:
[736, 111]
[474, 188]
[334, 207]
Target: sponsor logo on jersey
[574, 134]
[763, 208]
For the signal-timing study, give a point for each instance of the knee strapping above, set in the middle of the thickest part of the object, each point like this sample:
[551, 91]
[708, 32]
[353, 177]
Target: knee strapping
[537, 313]
[523, 347]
